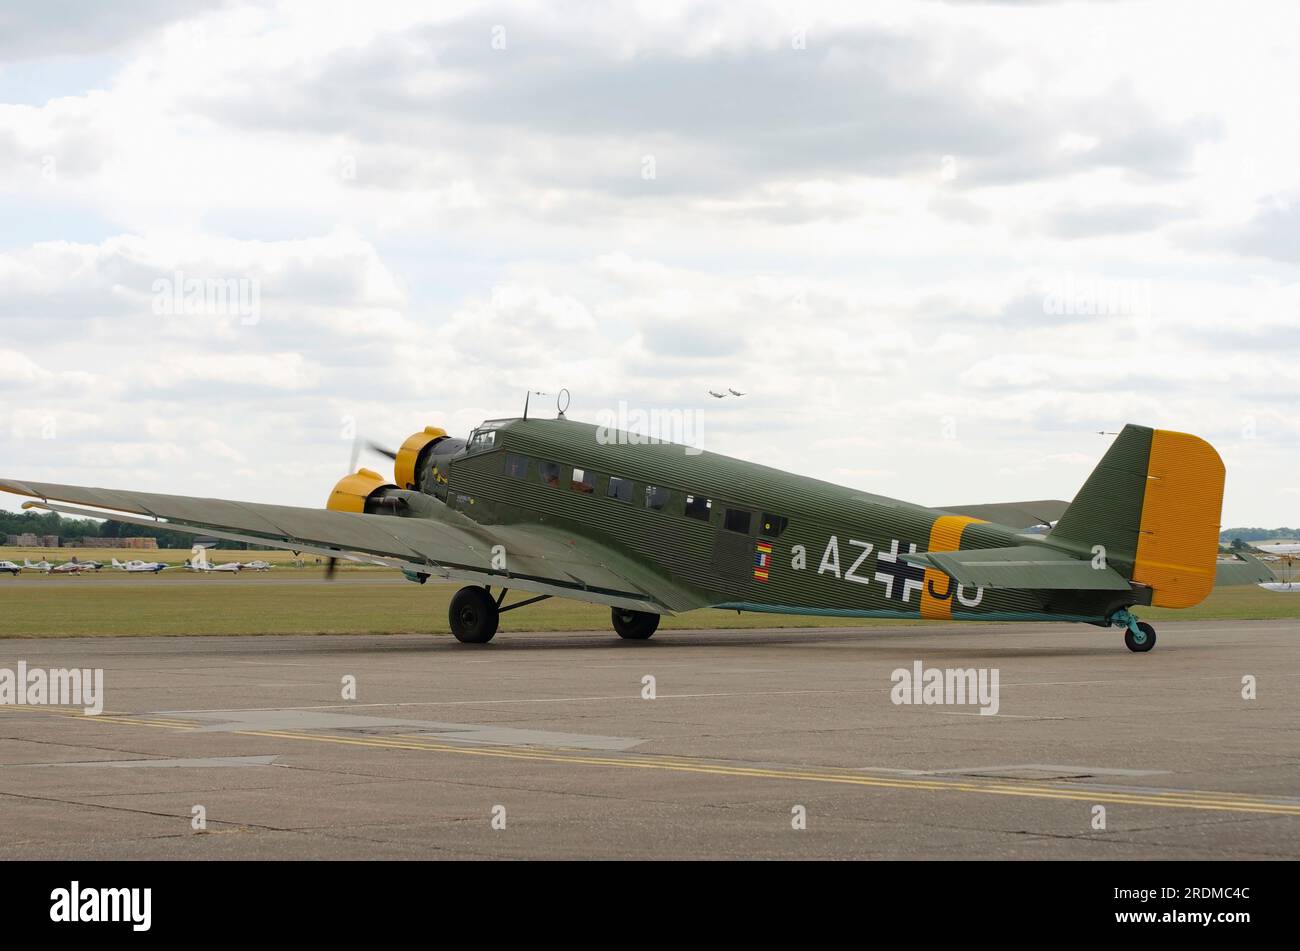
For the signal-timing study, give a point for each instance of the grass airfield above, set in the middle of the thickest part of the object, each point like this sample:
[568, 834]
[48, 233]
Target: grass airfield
[369, 600]
[168, 556]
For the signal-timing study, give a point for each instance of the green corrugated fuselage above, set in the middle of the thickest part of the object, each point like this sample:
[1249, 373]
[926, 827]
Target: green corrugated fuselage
[833, 557]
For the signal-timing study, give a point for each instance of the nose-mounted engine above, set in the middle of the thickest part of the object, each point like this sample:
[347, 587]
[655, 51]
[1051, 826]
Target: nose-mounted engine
[422, 462]
[420, 465]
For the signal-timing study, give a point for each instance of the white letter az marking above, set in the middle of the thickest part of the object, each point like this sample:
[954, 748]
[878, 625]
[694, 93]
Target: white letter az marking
[866, 550]
[831, 559]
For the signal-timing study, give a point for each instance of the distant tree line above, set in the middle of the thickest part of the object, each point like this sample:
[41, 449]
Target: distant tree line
[1257, 534]
[52, 523]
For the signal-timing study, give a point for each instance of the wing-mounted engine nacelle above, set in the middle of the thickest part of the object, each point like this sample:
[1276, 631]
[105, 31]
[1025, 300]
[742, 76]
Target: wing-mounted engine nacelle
[422, 462]
[363, 491]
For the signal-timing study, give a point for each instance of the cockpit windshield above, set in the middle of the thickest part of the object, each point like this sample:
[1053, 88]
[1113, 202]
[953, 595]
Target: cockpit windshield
[481, 440]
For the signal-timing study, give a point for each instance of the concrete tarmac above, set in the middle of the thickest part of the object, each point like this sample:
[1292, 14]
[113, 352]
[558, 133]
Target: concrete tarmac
[756, 744]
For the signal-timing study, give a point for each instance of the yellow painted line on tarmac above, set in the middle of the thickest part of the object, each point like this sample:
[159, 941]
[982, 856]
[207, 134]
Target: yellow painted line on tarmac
[1212, 801]
[142, 721]
[1170, 799]
[78, 713]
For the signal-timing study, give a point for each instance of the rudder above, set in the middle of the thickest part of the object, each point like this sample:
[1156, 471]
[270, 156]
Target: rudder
[1154, 503]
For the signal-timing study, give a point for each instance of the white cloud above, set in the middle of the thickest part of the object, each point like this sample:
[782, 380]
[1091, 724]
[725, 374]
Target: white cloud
[862, 234]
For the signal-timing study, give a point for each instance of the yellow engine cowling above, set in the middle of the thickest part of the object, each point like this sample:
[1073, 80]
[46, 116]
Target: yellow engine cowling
[352, 491]
[406, 466]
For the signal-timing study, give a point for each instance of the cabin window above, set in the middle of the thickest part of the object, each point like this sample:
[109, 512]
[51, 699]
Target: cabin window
[772, 525]
[482, 440]
[516, 465]
[583, 481]
[737, 520]
[656, 497]
[697, 506]
[550, 472]
[620, 489]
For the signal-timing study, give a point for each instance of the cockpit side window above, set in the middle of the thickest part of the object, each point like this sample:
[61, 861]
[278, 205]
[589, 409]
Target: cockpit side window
[516, 465]
[481, 440]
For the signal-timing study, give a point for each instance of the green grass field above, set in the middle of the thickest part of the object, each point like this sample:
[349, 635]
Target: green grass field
[148, 605]
[168, 556]
[60, 607]
[1239, 602]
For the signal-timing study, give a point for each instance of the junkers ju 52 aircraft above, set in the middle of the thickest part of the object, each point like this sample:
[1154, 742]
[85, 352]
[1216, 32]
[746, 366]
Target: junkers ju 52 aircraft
[558, 508]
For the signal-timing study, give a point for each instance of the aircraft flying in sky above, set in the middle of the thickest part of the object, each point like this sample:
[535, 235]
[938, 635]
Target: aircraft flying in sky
[558, 508]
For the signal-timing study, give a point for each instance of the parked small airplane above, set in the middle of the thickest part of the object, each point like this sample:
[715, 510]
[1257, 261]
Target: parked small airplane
[72, 567]
[10, 567]
[562, 508]
[136, 565]
[75, 567]
[199, 562]
[256, 565]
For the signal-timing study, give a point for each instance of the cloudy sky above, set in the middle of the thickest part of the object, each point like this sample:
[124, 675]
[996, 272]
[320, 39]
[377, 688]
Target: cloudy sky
[940, 245]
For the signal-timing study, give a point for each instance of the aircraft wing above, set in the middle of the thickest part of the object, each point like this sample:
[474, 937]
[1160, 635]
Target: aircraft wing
[541, 559]
[1013, 514]
[1024, 566]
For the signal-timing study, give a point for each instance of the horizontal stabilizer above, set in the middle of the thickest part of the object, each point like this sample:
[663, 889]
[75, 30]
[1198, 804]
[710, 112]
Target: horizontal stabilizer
[1013, 514]
[1246, 570]
[1024, 566]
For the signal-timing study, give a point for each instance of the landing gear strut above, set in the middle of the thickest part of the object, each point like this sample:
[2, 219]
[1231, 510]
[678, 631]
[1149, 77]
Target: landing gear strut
[634, 625]
[1139, 636]
[474, 615]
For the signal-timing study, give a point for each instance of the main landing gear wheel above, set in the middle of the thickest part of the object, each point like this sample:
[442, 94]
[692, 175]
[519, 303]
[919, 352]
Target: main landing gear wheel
[1142, 640]
[473, 616]
[634, 625]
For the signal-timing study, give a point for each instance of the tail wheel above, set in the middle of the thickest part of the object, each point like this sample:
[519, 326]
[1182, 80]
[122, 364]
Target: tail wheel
[634, 625]
[473, 616]
[1142, 640]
